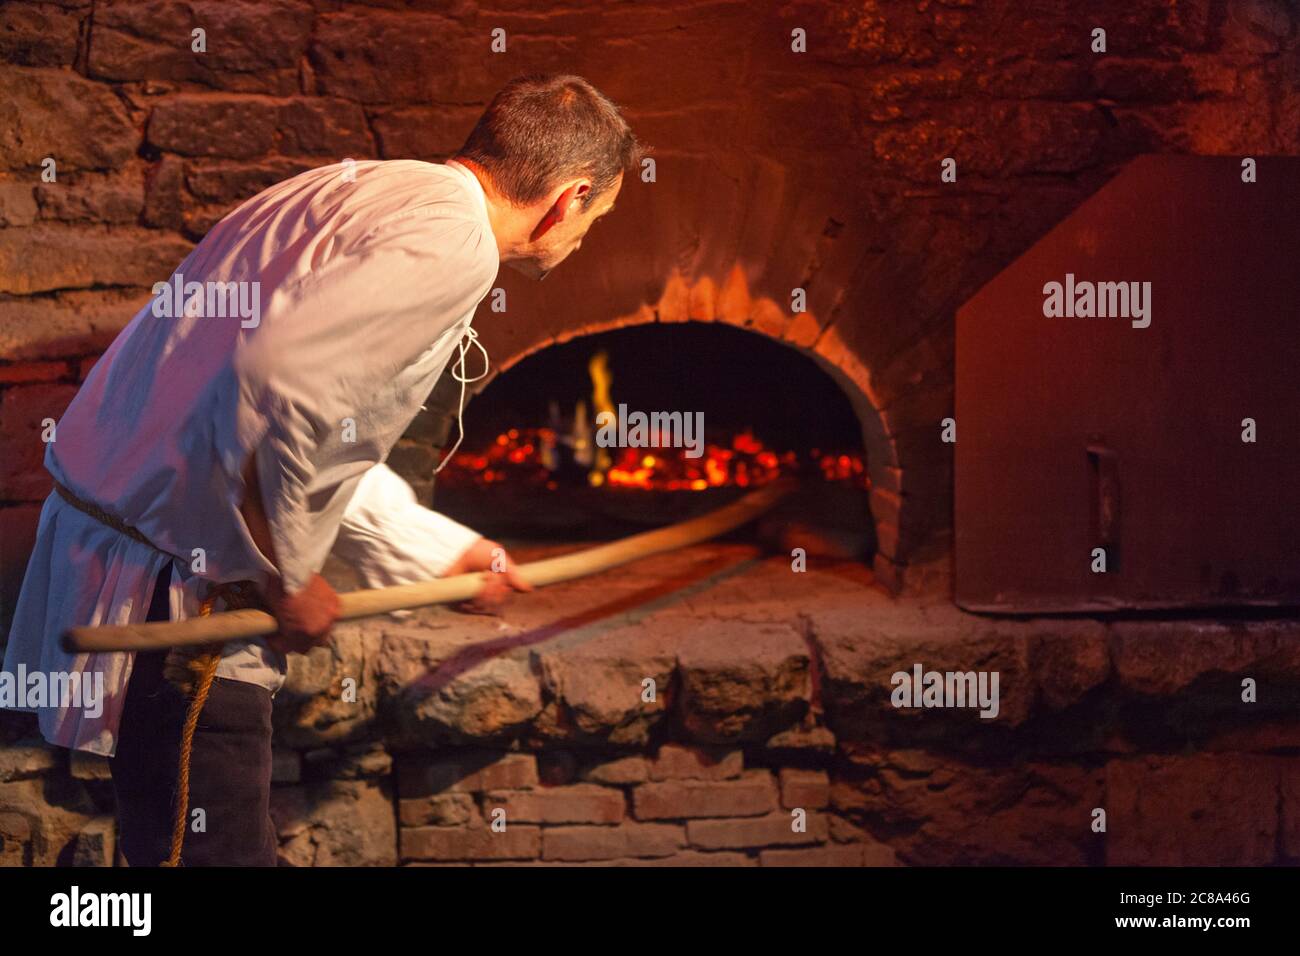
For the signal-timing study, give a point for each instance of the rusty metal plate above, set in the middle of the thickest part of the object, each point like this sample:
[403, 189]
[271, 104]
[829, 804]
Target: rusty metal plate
[1079, 433]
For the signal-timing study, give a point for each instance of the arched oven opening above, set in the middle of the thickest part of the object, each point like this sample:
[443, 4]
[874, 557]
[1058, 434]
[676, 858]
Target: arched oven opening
[611, 433]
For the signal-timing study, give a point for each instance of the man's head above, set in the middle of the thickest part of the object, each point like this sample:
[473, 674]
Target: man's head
[550, 151]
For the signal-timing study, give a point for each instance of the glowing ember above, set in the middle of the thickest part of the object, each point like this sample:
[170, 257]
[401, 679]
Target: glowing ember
[524, 455]
[545, 457]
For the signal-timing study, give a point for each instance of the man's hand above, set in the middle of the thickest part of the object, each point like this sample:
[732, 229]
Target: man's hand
[503, 574]
[305, 618]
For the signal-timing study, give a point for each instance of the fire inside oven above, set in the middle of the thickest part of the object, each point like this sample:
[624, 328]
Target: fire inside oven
[648, 425]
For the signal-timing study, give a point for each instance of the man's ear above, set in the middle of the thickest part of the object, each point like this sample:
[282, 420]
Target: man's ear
[572, 195]
[560, 210]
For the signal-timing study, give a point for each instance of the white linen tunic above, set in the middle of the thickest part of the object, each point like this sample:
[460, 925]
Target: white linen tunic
[369, 274]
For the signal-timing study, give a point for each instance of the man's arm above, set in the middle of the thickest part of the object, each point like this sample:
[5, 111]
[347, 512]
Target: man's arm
[390, 538]
[305, 617]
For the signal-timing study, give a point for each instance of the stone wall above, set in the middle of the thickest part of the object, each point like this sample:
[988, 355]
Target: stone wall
[771, 739]
[776, 170]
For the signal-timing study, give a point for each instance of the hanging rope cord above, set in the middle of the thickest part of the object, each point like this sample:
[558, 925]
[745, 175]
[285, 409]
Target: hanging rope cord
[458, 373]
[193, 670]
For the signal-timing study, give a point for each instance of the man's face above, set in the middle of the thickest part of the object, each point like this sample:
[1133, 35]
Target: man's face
[565, 237]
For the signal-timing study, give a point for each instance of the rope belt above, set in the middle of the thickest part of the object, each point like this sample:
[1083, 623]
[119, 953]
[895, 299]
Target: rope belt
[191, 670]
[104, 518]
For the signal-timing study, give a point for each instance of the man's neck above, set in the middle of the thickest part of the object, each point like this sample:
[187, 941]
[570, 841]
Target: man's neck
[506, 220]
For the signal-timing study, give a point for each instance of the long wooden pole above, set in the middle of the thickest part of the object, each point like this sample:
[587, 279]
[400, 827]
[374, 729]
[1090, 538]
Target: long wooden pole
[234, 625]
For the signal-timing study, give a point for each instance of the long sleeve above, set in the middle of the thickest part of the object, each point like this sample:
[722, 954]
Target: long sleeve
[285, 467]
[342, 368]
[392, 539]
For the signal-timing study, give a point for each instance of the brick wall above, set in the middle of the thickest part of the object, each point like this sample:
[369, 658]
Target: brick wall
[680, 806]
[815, 170]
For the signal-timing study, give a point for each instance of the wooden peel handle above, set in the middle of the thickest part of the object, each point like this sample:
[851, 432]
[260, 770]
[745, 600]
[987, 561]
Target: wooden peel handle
[234, 625]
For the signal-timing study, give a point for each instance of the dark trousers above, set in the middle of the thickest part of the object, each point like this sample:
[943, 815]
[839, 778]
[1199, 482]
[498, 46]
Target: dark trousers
[230, 767]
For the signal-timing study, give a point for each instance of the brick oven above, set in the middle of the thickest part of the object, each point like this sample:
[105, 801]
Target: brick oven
[797, 267]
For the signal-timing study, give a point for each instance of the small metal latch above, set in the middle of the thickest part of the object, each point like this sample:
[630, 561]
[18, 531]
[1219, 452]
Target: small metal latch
[1105, 472]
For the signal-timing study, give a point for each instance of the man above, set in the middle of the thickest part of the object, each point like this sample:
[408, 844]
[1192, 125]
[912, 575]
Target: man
[213, 445]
